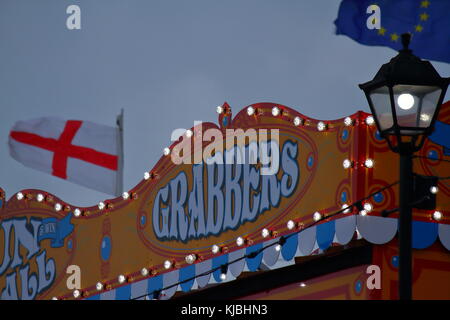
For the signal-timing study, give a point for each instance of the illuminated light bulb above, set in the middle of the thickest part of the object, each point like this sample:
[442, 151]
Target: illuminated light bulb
[58, 207]
[265, 233]
[223, 276]
[166, 151]
[40, 197]
[276, 111]
[348, 121]
[240, 241]
[144, 272]
[290, 224]
[370, 120]
[101, 205]
[278, 247]
[347, 164]
[425, 117]
[19, 196]
[99, 286]
[167, 264]
[250, 111]
[317, 216]
[369, 163]
[121, 278]
[437, 215]
[189, 133]
[219, 109]
[302, 284]
[146, 175]
[215, 249]
[298, 121]
[54, 298]
[76, 293]
[321, 126]
[368, 206]
[346, 208]
[125, 195]
[434, 189]
[405, 101]
[363, 213]
[77, 212]
[190, 258]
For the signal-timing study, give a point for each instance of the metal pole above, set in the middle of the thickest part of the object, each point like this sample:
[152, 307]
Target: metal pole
[405, 226]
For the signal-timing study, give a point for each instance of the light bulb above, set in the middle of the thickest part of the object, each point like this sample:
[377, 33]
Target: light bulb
[189, 133]
[219, 109]
[348, 121]
[405, 101]
[302, 284]
[347, 164]
[250, 110]
[40, 197]
[146, 175]
[240, 241]
[370, 120]
[76, 293]
[144, 272]
[58, 207]
[437, 215]
[19, 195]
[190, 258]
[298, 121]
[290, 224]
[368, 206]
[167, 264]
[434, 189]
[99, 286]
[125, 195]
[121, 278]
[77, 212]
[278, 247]
[265, 233]
[424, 117]
[317, 216]
[215, 249]
[321, 126]
[363, 213]
[276, 111]
[101, 205]
[166, 151]
[54, 298]
[223, 276]
[369, 163]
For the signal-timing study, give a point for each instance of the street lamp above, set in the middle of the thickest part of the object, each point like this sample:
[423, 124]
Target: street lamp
[405, 97]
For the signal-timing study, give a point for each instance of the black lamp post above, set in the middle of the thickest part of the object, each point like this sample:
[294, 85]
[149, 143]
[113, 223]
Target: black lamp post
[405, 97]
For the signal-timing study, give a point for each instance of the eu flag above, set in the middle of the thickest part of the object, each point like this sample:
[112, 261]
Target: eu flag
[428, 21]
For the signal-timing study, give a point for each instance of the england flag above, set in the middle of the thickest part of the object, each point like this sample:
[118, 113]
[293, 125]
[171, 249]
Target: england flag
[82, 152]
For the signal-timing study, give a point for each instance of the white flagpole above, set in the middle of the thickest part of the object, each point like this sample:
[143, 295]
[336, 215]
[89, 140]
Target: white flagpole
[119, 185]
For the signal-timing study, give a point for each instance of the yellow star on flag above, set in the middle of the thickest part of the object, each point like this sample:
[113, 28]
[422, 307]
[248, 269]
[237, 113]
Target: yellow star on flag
[425, 4]
[419, 28]
[382, 31]
[424, 17]
[394, 37]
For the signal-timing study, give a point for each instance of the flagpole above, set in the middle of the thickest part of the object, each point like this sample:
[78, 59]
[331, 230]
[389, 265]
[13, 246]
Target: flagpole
[119, 186]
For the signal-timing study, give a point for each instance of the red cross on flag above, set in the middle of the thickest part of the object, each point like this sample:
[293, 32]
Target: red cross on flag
[82, 152]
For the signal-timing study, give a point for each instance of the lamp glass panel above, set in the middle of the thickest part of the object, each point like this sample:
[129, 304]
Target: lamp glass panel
[415, 106]
[382, 104]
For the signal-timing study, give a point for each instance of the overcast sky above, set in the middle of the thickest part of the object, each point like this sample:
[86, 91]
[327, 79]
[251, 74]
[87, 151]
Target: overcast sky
[168, 63]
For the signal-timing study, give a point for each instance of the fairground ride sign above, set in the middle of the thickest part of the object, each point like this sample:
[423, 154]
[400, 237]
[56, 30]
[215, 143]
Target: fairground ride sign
[217, 191]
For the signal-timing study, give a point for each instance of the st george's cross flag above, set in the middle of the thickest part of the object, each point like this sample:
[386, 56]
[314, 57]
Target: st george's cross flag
[82, 152]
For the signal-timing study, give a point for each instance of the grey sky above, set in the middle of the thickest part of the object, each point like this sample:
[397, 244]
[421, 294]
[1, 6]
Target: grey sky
[168, 63]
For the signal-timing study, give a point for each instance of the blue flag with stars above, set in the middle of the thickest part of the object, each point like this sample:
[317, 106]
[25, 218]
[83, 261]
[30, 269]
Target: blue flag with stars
[428, 21]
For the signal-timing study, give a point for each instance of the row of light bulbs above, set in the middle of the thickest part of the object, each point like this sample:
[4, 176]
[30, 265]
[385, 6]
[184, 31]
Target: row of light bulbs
[240, 241]
[321, 126]
[77, 212]
[368, 163]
